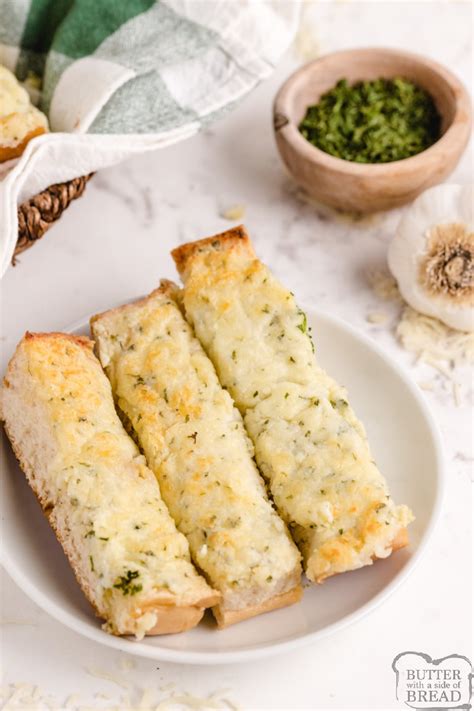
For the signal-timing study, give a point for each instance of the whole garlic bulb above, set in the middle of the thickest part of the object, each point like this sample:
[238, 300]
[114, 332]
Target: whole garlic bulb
[432, 255]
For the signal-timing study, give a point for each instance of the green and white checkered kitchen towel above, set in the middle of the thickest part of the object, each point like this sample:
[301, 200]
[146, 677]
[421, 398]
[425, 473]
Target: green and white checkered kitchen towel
[125, 76]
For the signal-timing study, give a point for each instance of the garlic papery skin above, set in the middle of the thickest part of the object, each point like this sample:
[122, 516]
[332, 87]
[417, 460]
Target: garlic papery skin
[432, 255]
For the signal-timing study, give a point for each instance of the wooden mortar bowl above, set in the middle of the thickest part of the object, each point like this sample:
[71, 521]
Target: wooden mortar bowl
[358, 187]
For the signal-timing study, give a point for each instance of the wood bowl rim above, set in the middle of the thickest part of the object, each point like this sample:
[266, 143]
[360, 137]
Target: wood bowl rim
[455, 136]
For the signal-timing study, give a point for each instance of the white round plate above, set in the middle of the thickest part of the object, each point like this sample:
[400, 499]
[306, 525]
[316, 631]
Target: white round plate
[407, 447]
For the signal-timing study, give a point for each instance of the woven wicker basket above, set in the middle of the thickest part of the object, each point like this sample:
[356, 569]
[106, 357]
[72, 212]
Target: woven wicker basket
[37, 215]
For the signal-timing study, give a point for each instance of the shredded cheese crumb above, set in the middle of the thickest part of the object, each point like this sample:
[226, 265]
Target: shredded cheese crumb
[22, 697]
[426, 385]
[127, 664]
[306, 43]
[377, 317]
[190, 701]
[426, 358]
[71, 701]
[168, 687]
[433, 341]
[99, 674]
[456, 394]
[235, 212]
[146, 700]
[384, 285]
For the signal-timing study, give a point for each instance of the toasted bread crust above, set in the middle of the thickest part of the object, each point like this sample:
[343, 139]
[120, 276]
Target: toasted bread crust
[9, 152]
[171, 618]
[401, 540]
[82, 341]
[166, 287]
[20, 120]
[236, 238]
[225, 618]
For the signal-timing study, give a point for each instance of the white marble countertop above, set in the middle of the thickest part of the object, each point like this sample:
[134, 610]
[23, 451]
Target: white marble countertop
[114, 243]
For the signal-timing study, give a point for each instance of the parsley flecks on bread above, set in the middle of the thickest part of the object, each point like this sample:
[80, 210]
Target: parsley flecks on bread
[101, 499]
[309, 444]
[195, 442]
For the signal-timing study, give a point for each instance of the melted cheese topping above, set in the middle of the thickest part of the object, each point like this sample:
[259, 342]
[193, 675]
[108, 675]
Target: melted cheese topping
[104, 498]
[18, 117]
[194, 439]
[308, 442]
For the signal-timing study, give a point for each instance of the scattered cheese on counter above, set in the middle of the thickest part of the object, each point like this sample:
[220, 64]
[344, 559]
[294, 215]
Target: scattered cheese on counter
[456, 394]
[99, 674]
[126, 664]
[23, 696]
[234, 212]
[306, 45]
[419, 333]
[384, 285]
[377, 317]
[434, 344]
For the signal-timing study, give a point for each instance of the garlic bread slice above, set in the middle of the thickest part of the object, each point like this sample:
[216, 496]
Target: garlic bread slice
[93, 484]
[194, 440]
[309, 444]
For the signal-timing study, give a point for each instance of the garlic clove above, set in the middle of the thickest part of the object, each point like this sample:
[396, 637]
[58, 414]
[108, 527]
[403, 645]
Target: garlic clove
[432, 255]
